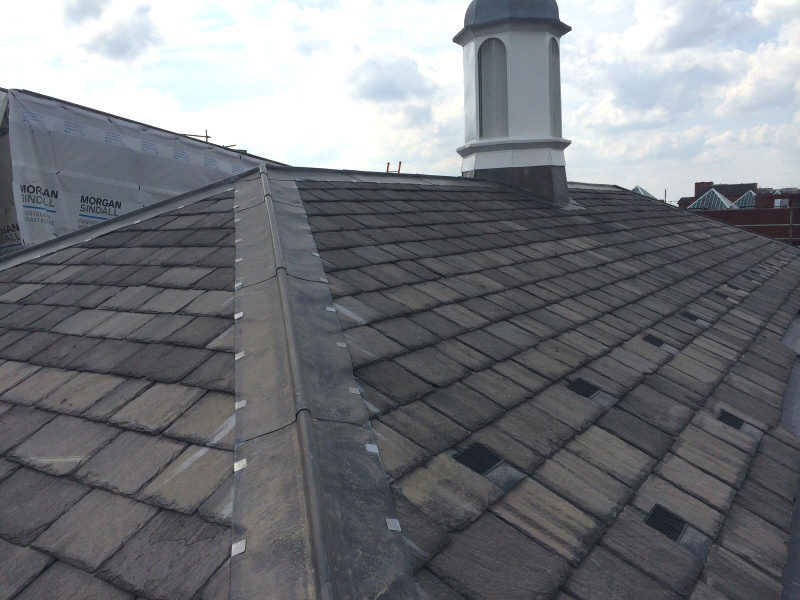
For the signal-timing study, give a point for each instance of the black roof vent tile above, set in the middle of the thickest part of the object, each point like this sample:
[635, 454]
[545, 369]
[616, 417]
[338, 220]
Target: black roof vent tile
[479, 458]
[690, 316]
[583, 388]
[668, 523]
[651, 339]
[731, 420]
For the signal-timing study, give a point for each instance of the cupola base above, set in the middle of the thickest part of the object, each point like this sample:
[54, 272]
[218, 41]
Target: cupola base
[546, 182]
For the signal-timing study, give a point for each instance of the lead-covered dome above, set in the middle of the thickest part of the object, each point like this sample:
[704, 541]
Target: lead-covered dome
[487, 12]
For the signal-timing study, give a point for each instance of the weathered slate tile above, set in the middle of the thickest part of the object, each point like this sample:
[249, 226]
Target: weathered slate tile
[92, 530]
[698, 514]
[47, 498]
[706, 592]
[12, 373]
[603, 576]
[157, 408]
[509, 449]
[712, 455]
[535, 428]
[766, 504]
[394, 381]
[424, 538]
[18, 567]
[652, 553]
[219, 506]
[80, 393]
[159, 327]
[210, 422]
[35, 388]
[708, 422]
[696, 482]
[19, 423]
[218, 587]
[398, 454]
[116, 399]
[447, 492]
[425, 427]
[190, 479]
[549, 520]
[497, 387]
[64, 444]
[431, 587]
[493, 560]
[754, 539]
[62, 582]
[171, 557]
[613, 455]
[432, 366]
[738, 579]
[636, 432]
[367, 345]
[466, 407]
[568, 407]
[163, 362]
[584, 485]
[128, 462]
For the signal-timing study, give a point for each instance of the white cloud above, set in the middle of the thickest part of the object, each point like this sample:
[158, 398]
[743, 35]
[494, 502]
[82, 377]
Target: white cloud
[771, 79]
[776, 11]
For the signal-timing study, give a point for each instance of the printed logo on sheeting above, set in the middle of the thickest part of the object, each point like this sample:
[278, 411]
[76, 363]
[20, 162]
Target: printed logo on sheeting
[72, 168]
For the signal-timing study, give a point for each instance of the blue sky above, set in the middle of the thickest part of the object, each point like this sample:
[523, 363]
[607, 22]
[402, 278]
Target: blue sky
[660, 93]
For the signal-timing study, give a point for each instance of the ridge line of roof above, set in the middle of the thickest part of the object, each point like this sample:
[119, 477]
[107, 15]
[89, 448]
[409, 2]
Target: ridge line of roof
[305, 433]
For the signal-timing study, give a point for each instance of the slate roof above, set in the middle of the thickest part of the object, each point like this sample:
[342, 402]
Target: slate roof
[590, 350]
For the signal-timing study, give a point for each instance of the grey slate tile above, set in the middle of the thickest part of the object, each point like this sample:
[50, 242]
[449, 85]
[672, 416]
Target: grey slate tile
[171, 557]
[603, 576]
[613, 455]
[190, 479]
[549, 520]
[398, 453]
[535, 428]
[94, 529]
[39, 386]
[636, 432]
[738, 579]
[367, 345]
[219, 506]
[394, 381]
[63, 444]
[210, 422]
[116, 399]
[162, 362]
[157, 408]
[751, 537]
[426, 427]
[216, 373]
[652, 552]
[80, 393]
[12, 372]
[447, 492]
[17, 424]
[47, 498]
[432, 366]
[62, 582]
[466, 407]
[433, 588]
[18, 567]
[129, 462]
[424, 538]
[492, 560]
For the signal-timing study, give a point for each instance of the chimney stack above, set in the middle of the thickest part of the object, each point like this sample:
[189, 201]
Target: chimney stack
[512, 95]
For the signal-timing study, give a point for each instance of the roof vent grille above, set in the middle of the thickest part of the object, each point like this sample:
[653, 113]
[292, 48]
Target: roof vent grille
[651, 339]
[731, 420]
[668, 523]
[478, 458]
[583, 388]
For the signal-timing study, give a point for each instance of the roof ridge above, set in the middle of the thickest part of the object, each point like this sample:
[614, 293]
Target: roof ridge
[328, 528]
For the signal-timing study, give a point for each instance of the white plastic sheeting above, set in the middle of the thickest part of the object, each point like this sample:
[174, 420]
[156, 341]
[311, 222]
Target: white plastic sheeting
[73, 167]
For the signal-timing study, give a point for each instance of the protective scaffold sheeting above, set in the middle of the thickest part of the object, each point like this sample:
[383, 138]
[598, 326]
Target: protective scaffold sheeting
[73, 167]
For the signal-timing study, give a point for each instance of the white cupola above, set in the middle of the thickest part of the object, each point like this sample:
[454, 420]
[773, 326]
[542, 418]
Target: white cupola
[512, 95]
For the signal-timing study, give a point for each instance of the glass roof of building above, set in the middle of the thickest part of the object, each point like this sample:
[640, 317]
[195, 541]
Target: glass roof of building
[712, 200]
